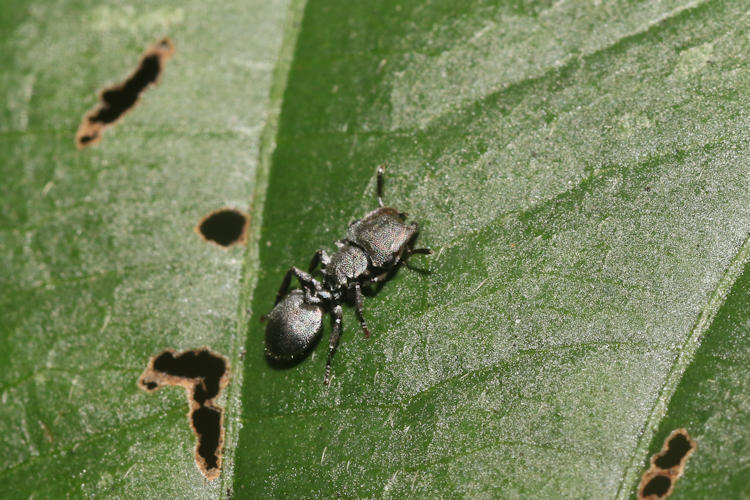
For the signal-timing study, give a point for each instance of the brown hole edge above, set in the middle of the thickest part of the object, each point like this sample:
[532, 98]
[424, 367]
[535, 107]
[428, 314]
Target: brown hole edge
[203, 374]
[224, 227]
[666, 466]
[117, 100]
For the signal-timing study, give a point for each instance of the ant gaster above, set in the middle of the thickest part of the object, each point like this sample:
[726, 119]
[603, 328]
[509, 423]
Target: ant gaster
[372, 249]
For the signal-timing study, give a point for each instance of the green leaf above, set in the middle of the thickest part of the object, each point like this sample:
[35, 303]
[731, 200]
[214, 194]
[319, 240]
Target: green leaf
[581, 172]
[99, 265]
[582, 175]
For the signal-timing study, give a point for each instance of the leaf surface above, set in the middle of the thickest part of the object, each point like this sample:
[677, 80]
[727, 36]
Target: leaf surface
[581, 173]
[712, 402]
[99, 265]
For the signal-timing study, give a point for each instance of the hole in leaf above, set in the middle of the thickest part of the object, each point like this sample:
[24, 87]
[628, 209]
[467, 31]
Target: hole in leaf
[203, 374]
[224, 227]
[208, 421]
[658, 486]
[666, 466]
[677, 447]
[119, 99]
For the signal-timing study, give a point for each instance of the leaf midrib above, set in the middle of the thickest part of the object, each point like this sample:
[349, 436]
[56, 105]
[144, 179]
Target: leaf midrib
[251, 266]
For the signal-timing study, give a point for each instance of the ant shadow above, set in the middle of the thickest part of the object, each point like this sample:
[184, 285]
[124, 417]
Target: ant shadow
[373, 289]
[419, 270]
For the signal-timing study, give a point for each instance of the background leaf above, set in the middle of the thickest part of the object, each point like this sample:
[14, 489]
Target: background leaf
[99, 265]
[581, 172]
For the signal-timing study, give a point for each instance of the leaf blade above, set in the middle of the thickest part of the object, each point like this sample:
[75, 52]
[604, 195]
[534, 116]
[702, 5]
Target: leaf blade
[101, 267]
[564, 208]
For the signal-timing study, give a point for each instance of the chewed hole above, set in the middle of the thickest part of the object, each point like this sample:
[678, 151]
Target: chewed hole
[207, 422]
[667, 466]
[201, 365]
[117, 100]
[203, 374]
[677, 447]
[225, 227]
[658, 486]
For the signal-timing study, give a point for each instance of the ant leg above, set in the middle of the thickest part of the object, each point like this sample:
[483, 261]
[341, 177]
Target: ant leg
[358, 301]
[320, 257]
[423, 251]
[381, 169]
[303, 277]
[333, 342]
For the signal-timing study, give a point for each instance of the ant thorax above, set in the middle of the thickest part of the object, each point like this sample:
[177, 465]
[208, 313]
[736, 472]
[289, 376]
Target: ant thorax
[345, 266]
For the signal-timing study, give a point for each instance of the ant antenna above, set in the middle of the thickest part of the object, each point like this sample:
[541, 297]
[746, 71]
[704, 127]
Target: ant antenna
[381, 169]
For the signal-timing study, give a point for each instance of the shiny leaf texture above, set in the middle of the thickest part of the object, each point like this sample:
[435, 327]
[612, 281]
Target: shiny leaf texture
[581, 172]
[99, 265]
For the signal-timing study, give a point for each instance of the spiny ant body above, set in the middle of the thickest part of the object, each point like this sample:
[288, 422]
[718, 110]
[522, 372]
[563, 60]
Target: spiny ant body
[373, 248]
